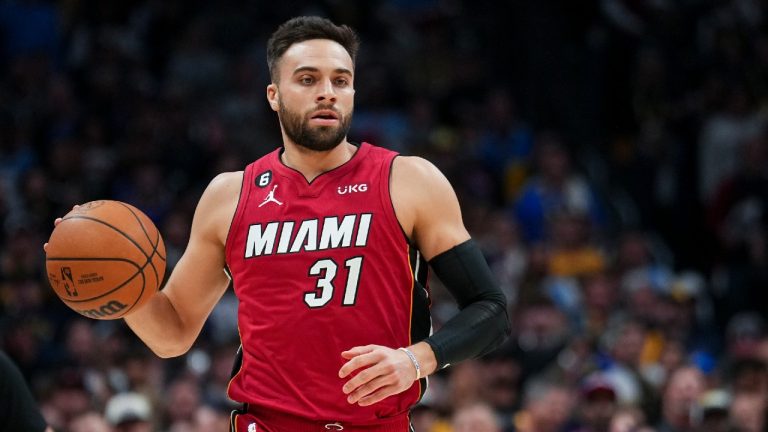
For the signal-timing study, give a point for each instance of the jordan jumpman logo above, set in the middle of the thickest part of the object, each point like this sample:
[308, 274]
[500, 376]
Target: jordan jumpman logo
[271, 197]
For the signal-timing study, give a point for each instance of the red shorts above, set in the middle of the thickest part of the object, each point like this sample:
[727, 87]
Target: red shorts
[248, 421]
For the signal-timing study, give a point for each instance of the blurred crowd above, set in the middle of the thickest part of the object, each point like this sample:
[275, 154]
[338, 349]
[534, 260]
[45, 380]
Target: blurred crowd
[609, 156]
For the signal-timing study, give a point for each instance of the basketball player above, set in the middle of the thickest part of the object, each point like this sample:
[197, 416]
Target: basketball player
[327, 243]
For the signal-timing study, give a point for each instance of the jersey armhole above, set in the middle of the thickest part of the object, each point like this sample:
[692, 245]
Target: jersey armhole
[245, 190]
[386, 195]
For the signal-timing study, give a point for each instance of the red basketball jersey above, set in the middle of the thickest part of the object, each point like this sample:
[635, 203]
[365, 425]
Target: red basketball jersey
[320, 267]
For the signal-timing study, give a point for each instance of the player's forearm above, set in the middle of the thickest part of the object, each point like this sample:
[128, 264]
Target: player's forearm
[161, 328]
[483, 324]
[478, 329]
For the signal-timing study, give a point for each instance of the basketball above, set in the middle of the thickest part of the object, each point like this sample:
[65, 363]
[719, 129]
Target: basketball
[105, 259]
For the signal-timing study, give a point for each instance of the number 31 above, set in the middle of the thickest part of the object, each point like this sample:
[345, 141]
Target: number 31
[325, 270]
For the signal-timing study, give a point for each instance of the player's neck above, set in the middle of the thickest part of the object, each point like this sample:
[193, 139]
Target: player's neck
[312, 163]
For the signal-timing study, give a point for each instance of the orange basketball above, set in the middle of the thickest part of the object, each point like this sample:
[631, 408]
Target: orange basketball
[105, 259]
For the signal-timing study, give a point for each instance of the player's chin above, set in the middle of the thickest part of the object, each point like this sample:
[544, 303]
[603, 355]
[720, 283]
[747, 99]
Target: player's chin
[329, 137]
[325, 131]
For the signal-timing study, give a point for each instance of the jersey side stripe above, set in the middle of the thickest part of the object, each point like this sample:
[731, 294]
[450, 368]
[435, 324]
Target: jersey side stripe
[421, 322]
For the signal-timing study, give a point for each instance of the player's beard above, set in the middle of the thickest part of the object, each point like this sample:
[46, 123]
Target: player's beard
[322, 138]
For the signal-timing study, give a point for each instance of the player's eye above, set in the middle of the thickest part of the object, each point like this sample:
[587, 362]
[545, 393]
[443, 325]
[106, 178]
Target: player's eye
[306, 80]
[341, 82]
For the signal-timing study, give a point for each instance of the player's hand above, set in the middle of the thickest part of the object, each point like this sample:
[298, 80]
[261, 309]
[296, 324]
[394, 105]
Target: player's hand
[383, 372]
[55, 223]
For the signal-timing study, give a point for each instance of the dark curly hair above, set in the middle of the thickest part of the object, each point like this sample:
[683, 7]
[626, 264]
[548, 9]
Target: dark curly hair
[304, 28]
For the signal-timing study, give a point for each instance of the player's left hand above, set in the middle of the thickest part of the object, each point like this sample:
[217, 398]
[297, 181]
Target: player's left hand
[383, 372]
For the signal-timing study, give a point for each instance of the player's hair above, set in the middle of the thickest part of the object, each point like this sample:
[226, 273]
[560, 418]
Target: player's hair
[300, 29]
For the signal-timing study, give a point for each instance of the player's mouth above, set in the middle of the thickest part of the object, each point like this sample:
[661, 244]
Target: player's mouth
[325, 118]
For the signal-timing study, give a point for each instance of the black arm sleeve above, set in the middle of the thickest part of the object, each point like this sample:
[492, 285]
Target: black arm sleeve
[18, 409]
[482, 324]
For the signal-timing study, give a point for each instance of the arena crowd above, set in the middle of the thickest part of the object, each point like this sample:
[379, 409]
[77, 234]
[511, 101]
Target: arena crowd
[609, 155]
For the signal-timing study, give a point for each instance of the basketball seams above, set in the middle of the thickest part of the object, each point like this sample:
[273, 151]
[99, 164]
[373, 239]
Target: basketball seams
[141, 293]
[90, 259]
[159, 240]
[93, 219]
[143, 228]
[151, 260]
[154, 245]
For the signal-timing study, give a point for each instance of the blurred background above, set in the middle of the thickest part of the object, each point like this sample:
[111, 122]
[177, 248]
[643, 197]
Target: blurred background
[609, 155]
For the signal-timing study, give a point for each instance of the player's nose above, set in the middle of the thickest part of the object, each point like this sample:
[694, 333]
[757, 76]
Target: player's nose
[326, 92]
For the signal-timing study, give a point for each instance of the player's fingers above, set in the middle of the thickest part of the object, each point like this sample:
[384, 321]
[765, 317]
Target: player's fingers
[356, 351]
[45, 247]
[365, 376]
[381, 394]
[58, 220]
[358, 362]
[368, 388]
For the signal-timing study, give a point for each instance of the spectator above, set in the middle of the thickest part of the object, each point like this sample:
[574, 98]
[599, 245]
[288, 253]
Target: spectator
[597, 404]
[623, 343]
[67, 398]
[627, 418]
[475, 418]
[541, 332]
[547, 407]
[182, 401]
[502, 374]
[747, 412]
[89, 422]
[505, 143]
[711, 413]
[427, 418]
[466, 384]
[129, 412]
[212, 418]
[743, 335]
[683, 391]
[574, 253]
[555, 188]
[723, 135]
[600, 293]
[506, 252]
[748, 375]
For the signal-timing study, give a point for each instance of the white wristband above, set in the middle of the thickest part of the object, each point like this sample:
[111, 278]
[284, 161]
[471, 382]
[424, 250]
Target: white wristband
[413, 360]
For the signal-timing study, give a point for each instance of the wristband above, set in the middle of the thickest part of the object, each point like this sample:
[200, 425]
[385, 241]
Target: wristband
[413, 360]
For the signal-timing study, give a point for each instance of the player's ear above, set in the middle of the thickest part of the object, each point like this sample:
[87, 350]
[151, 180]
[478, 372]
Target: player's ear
[273, 97]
